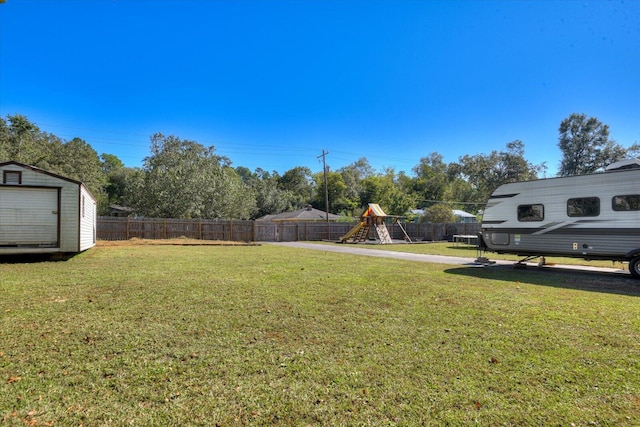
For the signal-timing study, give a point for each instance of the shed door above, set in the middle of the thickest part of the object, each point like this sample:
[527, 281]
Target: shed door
[29, 216]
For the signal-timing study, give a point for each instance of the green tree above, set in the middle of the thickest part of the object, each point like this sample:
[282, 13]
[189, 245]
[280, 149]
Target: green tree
[585, 146]
[24, 142]
[110, 163]
[338, 202]
[299, 186]
[227, 196]
[120, 181]
[439, 213]
[133, 190]
[461, 195]
[353, 175]
[485, 173]
[384, 190]
[184, 179]
[78, 160]
[270, 199]
[634, 150]
[431, 178]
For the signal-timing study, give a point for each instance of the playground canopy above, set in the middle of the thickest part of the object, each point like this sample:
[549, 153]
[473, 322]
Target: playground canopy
[373, 210]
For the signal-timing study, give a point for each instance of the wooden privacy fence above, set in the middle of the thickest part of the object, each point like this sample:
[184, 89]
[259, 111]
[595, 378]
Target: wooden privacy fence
[116, 228]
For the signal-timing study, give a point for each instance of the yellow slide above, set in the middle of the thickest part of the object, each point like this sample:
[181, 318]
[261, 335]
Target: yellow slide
[353, 231]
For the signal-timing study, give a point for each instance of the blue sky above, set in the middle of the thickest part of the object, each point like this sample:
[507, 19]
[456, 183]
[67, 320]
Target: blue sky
[272, 83]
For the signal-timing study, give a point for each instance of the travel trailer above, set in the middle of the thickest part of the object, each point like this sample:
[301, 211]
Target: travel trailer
[595, 217]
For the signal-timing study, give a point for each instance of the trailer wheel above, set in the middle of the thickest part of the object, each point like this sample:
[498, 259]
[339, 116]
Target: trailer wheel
[634, 267]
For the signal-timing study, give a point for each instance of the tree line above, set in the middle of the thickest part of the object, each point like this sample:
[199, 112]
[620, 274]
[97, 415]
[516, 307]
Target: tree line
[184, 179]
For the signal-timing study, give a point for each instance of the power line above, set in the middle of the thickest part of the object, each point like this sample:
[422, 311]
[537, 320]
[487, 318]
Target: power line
[111, 139]
[132, 139]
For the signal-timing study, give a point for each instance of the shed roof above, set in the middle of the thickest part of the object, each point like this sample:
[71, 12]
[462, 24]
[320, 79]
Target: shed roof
[36, 169]
[45, 172]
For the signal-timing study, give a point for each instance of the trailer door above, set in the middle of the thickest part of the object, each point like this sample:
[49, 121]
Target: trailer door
[29, 216]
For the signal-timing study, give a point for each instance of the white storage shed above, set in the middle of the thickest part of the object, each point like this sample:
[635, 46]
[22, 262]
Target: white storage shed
[44, 213]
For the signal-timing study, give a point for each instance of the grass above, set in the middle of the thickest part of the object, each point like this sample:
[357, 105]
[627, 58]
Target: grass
[204, 335]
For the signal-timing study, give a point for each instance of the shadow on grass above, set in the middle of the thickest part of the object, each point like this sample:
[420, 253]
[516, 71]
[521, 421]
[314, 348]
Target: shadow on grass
[34, 258]
[592, 281]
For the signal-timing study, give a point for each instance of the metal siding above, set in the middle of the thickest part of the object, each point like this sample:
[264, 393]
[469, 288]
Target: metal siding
[88, 221]
[69, 218]
[68, 222]
[28, 216]
[611, 234]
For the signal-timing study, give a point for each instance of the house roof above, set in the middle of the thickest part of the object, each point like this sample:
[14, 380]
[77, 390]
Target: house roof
[306, 214]
[456, 212]
[463, 214]
[118, 208]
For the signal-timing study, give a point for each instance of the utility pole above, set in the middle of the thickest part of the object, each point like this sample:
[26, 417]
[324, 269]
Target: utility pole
[326, 188]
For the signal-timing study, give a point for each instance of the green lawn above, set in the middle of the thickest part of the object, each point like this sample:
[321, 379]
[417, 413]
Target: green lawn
[266, 335]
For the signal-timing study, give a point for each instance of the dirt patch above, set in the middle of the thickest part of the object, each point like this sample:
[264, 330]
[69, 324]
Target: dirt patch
[172, 242]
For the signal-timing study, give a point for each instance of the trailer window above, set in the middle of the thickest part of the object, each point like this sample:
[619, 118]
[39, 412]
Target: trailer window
[626, 203]
[584, 206]
[527, 213]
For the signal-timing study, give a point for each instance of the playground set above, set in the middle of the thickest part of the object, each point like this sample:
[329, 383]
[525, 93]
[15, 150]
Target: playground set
[373, 218]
